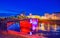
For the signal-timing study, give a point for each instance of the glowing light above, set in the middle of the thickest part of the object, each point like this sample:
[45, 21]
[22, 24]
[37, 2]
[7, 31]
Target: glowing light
[42, 27]
[48, 27]
[34, 23]
[30, 33]
[55, 27]
[25, 26]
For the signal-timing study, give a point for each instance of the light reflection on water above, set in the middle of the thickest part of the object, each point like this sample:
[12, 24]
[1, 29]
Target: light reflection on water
[53, 32]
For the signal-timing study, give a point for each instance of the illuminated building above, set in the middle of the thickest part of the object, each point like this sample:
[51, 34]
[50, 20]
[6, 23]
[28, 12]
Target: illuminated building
[46, 16]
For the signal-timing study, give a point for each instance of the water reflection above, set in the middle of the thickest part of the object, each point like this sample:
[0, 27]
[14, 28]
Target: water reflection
[49, 31]
[48, 27]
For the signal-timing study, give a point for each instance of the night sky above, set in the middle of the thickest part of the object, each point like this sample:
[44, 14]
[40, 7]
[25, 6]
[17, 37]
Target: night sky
[39, 7]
